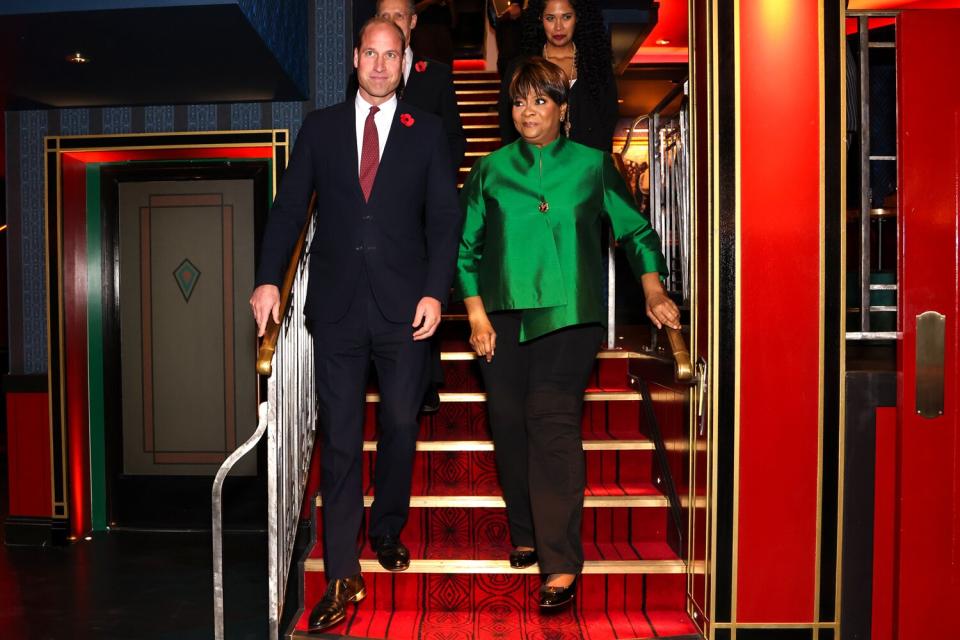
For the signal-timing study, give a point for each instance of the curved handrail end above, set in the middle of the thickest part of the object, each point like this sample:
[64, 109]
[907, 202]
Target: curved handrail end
[683, 366]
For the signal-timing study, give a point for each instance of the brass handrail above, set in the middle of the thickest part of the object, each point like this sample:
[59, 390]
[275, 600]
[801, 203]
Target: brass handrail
[682, 365]
[268, 345]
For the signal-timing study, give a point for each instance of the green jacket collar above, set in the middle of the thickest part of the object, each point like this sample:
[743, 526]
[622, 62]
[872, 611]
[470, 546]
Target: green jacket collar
[531, 152]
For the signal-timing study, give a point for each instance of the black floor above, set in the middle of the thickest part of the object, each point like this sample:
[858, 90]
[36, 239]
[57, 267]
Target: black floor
[132, 585]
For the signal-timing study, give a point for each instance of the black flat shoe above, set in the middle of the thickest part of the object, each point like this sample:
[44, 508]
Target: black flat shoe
[553, 598]
[431, 400]
[332, 608]
[521, 559]
[392, 554]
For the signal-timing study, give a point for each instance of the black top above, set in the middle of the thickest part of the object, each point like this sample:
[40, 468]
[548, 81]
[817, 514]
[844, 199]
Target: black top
[592, 118]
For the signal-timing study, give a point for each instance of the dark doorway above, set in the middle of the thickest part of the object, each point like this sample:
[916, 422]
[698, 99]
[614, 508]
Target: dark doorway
[179, 399]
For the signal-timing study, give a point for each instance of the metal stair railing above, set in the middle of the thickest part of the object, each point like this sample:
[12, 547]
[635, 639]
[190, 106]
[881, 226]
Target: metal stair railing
[288, 418]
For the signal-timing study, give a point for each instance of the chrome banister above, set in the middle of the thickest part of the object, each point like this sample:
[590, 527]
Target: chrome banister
[288, 418]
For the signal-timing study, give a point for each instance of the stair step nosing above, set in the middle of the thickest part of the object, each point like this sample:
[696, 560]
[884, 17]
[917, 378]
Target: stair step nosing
[479, 396]
[496, 502]
[601, 355]
[417, 566]
[487, 445]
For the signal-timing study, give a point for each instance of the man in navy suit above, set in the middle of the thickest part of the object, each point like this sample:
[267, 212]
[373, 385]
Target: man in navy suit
[381, 264]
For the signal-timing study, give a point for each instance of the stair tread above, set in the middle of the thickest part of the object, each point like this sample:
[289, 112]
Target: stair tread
[494, 554]
[457, 354]
[516, 622]
[440, 494]
[607, 443]
[591, 395]
[499, 564]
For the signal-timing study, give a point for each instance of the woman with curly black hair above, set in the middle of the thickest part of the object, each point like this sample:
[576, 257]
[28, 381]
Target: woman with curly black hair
[571, 34]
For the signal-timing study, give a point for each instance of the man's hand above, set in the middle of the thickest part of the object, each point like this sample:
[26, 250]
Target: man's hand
[265, 302]
[427, 318]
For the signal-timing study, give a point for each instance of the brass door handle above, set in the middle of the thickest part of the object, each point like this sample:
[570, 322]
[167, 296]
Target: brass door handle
[931, 332]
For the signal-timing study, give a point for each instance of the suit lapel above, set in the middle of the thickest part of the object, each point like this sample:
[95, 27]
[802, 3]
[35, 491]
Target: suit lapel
[393, 151]
[413, 85]
[349, 130]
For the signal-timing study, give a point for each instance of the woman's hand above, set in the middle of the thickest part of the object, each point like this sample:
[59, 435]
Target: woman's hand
[660, 308]
[483, 338]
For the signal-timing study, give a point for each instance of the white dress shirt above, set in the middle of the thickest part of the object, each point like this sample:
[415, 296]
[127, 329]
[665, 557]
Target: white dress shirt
[383, 119]
[407, 65]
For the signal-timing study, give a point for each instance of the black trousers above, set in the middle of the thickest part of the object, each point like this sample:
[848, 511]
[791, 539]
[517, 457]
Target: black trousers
[342, 355]
[534, 403]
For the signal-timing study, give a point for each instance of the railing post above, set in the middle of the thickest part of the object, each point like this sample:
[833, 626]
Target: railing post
[217, 509]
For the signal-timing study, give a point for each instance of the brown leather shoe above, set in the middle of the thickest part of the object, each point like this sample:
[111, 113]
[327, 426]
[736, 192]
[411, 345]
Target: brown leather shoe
[332, 608]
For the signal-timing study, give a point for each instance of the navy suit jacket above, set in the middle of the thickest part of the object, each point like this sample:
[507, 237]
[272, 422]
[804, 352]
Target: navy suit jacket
[406, 236]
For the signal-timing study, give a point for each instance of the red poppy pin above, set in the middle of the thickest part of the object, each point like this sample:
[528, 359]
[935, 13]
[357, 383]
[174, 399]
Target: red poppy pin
[406, 119]
[421, 66]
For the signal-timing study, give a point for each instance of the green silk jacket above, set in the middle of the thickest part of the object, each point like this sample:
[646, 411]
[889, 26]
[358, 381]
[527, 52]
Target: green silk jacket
[549, 264]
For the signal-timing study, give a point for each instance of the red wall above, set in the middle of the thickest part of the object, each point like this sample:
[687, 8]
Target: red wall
[28, 455]
[779, 284]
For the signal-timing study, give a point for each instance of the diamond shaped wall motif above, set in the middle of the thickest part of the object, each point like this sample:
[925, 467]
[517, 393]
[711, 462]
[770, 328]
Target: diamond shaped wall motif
[186, 276]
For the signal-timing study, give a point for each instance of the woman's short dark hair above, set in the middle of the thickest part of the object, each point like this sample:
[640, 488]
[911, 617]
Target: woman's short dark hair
[540, 77]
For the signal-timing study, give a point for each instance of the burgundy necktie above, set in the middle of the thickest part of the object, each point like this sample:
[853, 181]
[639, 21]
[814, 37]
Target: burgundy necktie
[370, 154]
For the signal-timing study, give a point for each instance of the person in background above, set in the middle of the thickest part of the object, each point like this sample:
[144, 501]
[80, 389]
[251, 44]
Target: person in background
[529, 271]
[508, 27]
[571, 34]
[434, 38]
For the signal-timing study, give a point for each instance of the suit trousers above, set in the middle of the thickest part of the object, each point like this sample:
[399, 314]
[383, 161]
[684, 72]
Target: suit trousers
[342, 356]
[534, 404]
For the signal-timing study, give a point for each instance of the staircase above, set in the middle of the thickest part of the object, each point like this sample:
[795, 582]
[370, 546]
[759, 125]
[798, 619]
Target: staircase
[477, 94]
[459, 584]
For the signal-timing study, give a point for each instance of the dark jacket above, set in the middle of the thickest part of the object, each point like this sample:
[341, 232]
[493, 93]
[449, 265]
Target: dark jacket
[431, 88]
[405, 237]
[592, 119]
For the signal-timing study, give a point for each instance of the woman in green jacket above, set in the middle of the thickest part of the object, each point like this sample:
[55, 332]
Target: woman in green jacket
[529, 270]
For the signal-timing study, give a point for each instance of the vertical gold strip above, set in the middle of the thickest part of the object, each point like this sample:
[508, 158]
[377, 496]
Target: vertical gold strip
[693, 397]
[61, 354]
[714, 170]
[229, 341]
[46, 277]
[146, 330]
[821, 308]
[841, 211]
[738, 323]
